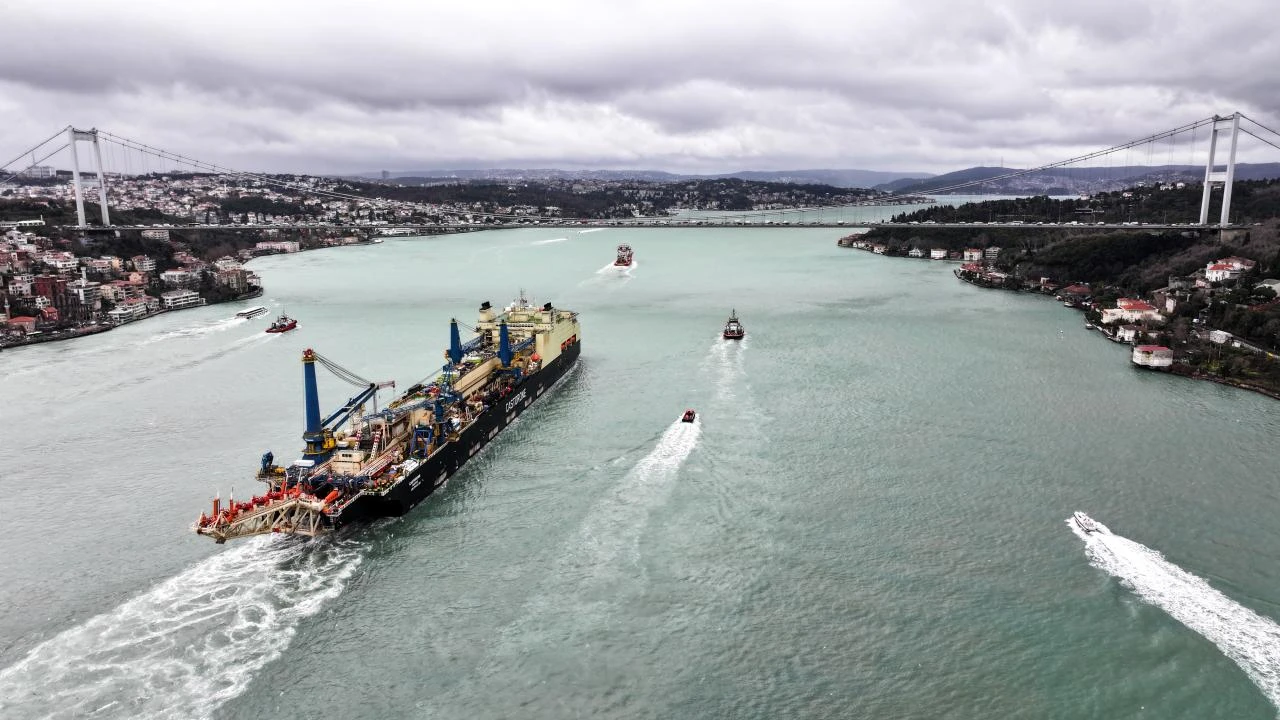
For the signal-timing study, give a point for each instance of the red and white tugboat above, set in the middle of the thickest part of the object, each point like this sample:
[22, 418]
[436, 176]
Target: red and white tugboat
[733, 329]
[284, 323]
[624, 256]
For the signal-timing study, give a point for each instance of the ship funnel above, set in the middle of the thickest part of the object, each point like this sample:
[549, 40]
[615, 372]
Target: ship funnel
[455, 343]
[486, 312]
[504, 345]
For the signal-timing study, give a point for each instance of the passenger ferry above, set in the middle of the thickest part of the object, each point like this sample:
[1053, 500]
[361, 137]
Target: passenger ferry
[252, 312]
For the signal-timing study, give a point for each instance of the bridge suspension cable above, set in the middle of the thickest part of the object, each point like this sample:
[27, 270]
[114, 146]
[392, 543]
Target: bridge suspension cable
[34, 163]
[34, 148]
[1079, 158]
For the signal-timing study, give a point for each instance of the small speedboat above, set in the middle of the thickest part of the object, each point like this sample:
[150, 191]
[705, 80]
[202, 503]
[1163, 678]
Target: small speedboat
[1085, 522]
[733, 329]
[689, 416]
[284, 323]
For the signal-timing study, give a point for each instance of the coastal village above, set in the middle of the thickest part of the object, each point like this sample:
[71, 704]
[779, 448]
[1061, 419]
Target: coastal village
[51, 292]
[1168, 329]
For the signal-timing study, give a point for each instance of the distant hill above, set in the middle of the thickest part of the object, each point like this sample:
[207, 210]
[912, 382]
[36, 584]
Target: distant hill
[849, 178]
[1073, 180]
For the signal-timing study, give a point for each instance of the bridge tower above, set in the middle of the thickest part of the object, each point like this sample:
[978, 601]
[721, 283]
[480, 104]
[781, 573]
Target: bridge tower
[1226, 177]
[74, 136]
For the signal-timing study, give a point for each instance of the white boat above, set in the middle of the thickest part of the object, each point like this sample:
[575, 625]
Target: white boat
[1085, 522]
[252, 312]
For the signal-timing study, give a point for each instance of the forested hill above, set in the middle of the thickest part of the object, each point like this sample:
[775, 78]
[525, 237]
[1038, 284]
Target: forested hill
[1251, 201]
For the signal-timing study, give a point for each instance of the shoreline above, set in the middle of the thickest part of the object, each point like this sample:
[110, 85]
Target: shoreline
[1194, 375]
[106, 327]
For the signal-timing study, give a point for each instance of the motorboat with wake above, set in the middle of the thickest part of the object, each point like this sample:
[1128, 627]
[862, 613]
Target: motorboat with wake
[624, 256]
[1084, 522]
[733, 329]
[689, 416]
[284, 323]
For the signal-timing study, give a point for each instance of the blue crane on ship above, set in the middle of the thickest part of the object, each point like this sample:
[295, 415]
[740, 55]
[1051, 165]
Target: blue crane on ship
[318, 436]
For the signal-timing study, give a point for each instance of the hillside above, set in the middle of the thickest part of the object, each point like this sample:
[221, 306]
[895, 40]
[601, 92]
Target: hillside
[843, 178]
[1074, 180]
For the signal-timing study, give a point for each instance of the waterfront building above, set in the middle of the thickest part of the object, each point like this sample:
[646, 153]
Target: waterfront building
[1131, 310]
[127, 311]
[1152, 356]
[178, 299]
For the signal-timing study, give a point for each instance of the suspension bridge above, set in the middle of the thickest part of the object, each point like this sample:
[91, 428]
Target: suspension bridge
[130, 176]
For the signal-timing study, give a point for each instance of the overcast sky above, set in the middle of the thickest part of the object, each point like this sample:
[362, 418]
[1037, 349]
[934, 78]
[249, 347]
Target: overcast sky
[687, 86]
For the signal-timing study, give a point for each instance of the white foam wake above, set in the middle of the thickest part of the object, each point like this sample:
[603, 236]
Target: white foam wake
[549, 241]
[612, 269]
[186, 646]
[617, 522]
[1250, 640]
[591, 230]
[198, 330]
[726, 362]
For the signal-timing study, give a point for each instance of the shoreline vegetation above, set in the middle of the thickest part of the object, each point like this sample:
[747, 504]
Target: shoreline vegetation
[1197, 297]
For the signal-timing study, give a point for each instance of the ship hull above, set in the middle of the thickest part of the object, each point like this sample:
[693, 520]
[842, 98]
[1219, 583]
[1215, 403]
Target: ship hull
[445, 463]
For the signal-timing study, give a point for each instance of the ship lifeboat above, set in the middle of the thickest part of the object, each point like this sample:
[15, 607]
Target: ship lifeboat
[689, 416]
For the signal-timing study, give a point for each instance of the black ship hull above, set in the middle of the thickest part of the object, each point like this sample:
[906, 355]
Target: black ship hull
[449, 459]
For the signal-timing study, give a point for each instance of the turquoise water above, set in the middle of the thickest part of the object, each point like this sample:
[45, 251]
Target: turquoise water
[867, 520]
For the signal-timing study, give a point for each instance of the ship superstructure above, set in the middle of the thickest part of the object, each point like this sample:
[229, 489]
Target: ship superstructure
[360, 464]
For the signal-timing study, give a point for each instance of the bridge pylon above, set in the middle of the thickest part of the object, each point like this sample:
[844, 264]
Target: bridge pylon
[1226, 178]
[74, 136]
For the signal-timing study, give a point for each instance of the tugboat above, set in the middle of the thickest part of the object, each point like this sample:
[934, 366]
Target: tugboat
[689, 416]
[733, 329]
[624, 256]
[284, 323]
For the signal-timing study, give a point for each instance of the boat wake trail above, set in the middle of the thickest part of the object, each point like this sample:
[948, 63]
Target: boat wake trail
[1248, 639]
[549, 241]
[725, 361]
[599, 570]
[591, 230]
[188, 645]
[612, 269]
[198, 330]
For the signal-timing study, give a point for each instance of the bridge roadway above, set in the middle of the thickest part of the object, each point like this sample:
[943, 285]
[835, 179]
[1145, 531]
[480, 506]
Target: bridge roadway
[676, 224]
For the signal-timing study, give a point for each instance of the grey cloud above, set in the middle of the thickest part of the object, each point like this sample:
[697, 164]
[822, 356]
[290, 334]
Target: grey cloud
[927, 85]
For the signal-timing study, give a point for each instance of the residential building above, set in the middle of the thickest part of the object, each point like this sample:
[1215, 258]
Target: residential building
[142, 263]
[25, 323]
[1131, 310]
[937, 254]
[991, 253]
[127, 311]
[915, 252]
[179, 278]
[972, 255]
[178, 299]
[1152, 356]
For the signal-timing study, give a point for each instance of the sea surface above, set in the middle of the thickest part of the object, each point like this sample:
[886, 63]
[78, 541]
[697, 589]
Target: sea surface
[868, 520]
